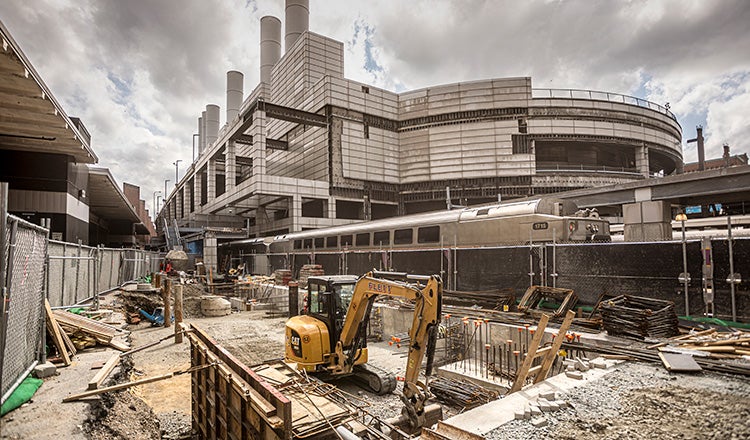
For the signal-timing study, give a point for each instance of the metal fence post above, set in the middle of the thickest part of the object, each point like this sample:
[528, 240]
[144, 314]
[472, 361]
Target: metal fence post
[4, 257]
[95, 276]
[78, 271]
[733, 278]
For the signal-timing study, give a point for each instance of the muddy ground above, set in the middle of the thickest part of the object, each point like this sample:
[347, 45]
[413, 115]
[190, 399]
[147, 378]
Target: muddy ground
[635, 401]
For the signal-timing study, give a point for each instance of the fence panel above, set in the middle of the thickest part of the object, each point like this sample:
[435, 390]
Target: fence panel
[25, 318]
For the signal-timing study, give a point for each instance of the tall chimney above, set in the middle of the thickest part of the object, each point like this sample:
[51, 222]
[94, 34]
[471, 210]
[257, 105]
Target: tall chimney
[200, 134]
[234, 94]
[203, 138]
[701, 151]
[726, 155]
[212, 124]
[297, 21]
[270, 46]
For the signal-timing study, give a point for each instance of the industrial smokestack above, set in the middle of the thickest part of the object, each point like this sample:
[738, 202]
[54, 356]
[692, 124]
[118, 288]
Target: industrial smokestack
[726, 155]
[203, 138]
[270, 46]
[212, 124]
[234, 94]
[200, 134]
[297, 21]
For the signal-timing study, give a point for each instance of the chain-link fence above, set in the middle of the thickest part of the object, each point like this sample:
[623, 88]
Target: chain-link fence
[77, 272]
[21, 339]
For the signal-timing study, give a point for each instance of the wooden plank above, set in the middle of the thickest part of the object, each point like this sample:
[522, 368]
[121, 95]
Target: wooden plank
[533, 346]
[556, 344]
[71, 347]
[54, 329]
[679, 362]
[446, 431]
[97, 380]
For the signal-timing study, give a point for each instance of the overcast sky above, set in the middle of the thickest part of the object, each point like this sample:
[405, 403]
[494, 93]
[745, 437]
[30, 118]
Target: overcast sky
[139, 72]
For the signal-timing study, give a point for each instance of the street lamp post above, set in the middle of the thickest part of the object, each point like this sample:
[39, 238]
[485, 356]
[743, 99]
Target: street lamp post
[176, 171]
[164, 199]
[154, 206]
[684, 276]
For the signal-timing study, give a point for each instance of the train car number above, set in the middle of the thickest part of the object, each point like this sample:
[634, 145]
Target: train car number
[539, 226]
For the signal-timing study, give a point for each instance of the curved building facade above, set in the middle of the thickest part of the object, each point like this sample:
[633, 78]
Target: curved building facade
[310, 148]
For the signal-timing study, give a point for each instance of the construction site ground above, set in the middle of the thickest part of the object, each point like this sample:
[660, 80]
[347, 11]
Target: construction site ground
[633, 400]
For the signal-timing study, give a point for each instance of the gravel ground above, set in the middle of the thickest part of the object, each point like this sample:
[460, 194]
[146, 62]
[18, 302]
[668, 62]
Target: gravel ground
[644, 401]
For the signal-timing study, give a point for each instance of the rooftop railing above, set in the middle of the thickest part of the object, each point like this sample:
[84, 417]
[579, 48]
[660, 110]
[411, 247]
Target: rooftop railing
[600, 96]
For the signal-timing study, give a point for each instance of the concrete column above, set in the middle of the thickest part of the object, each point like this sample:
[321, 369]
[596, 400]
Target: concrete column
[647, 221]
[186, 199]
[209, 252]
[295, 211]
[641, 160]
[178, 204]
[230, 167]
[261, 219]
[197, 191]
[258, 153]
[331, 208]
[211, 187]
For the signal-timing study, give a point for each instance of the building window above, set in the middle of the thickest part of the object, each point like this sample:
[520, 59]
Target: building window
[365, 89]
[332, 242]
[318, 243]
[346, 240]
[522, 127]
[520, 143]
[366, 131]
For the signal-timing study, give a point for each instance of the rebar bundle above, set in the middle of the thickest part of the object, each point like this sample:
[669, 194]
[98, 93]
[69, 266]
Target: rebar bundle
[639, 317]
[461, 393]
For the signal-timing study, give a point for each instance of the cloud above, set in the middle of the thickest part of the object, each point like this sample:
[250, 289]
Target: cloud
[139, 73]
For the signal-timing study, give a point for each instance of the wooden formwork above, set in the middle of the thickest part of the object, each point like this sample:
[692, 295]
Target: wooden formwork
[231, 401]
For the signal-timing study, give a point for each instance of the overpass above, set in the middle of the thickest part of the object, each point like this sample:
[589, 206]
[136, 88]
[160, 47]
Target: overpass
[646, 204]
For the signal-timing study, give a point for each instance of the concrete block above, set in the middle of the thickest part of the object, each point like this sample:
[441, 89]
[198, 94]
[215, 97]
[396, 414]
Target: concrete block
[519, 415]
[553, 406]
[562, 403]
[574, 375]
[548, 395]
[570, 368]
[46, 369]
[527, 412]
[535, 411]
[544, 405]
[539, 422]
[599, 363]
[581, 365]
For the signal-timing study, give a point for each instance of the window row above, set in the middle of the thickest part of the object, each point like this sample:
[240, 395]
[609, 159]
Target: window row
[426, 234]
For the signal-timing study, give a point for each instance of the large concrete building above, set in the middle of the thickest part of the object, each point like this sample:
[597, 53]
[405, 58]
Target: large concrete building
[308, 148]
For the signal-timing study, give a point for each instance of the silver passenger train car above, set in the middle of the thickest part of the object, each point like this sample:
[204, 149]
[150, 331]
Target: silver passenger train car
[539, 220]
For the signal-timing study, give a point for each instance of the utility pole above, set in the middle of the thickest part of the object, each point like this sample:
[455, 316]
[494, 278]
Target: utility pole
[155, 206]
[176, 171]
[165, 191]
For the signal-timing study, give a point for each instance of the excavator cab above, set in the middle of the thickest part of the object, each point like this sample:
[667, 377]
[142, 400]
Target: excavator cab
[328, 299]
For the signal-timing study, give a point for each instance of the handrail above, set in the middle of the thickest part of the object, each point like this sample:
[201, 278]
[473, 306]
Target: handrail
[602, 96]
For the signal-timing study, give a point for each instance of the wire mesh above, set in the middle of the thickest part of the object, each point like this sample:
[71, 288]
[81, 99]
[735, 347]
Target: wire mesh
[25, 268]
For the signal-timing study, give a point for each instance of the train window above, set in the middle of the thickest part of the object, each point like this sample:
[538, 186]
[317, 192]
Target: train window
[428, 234]
[381, 237]
[308, 243]
[363, 239]
[483, 211]
[346, 240]
[298, 244]
[319, 243]
[403, 236]
[332, 242]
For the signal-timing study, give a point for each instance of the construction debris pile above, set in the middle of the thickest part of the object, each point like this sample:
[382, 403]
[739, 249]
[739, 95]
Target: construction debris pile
[639, 317]
[282, 276]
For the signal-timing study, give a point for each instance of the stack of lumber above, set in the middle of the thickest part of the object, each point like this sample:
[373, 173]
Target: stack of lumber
[309, 270]
[639, 317]
[85, 332]
[282, 276]
[718, 344]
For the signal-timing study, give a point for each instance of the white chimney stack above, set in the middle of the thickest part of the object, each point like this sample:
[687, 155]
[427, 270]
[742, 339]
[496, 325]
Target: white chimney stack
[234, 94]
[297, 21]
[270, 46]
[212, 124]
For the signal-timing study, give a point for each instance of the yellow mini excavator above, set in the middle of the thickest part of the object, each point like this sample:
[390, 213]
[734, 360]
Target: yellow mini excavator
[330, 337]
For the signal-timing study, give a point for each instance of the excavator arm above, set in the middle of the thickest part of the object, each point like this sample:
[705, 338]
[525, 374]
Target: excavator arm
[426, 293]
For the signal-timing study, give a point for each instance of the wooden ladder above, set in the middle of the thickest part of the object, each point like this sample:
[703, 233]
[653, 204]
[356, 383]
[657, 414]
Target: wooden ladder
[548, 353]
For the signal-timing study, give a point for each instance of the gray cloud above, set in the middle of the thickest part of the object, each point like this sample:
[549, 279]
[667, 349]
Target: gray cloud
[139, 72]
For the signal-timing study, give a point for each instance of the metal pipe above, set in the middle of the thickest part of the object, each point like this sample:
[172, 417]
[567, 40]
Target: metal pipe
[78, 269]
[732, 279]
[3, 288]
[686, 279]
